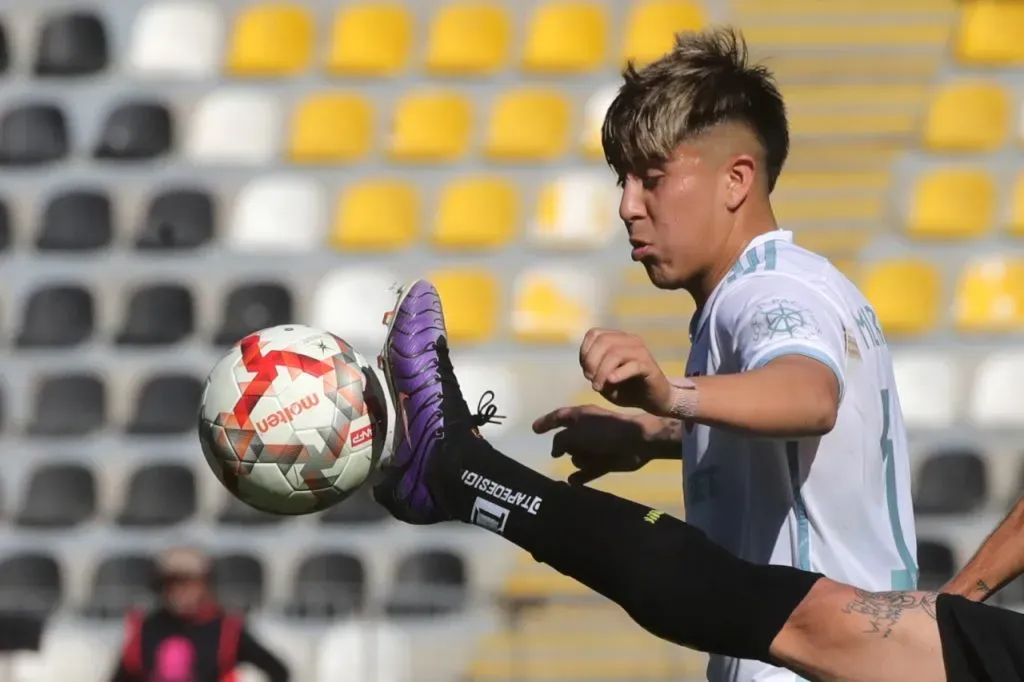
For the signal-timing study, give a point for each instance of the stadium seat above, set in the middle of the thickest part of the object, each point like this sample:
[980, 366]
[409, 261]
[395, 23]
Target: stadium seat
[159, 495]
[593, 118]
[136, 131]
[57, 316]
[937, 565]
[236, 513]
[328, 586]
[251, 307]
[428, 583]
[652, 24]
[177, 219]
[271, 39]
[476, 212]
[990, 296]
[952, 204]
[995, 398]
[119, 584]
[176, 39]
[32, 134]
[266, 205]
[238, 581]
[554, 305]
[468, 38]
[5, 49]
[234, 127]
[351, 301]
[68, 405]
[7, 228]
[76, 220]
[430, 126]
[575, 211]
[58, 496]
[370, 40]
[376, 215]
[470, 303]
[905, 295]
[331, 128]
[951, 483]
[929, 387]
[528, 125]
[30, 584]
[968, 116]
[989, 33]
[359, 508]
[566, 37]
[157, 315]
[166, 405]
[72, 44]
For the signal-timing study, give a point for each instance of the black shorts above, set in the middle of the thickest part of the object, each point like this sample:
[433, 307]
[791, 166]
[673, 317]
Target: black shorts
[980, 643]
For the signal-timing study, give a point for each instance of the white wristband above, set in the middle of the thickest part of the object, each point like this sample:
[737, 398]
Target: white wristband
[685, 399]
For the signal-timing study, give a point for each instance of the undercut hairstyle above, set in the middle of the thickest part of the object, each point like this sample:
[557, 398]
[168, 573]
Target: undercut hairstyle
[706, 80]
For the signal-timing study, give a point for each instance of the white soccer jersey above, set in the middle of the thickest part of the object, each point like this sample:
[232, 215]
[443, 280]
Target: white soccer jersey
[839, 504]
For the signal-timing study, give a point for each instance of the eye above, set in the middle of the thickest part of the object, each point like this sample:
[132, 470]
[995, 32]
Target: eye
[651, 181]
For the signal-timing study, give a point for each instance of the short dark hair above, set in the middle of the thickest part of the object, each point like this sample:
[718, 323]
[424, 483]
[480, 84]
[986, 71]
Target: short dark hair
[704, 81]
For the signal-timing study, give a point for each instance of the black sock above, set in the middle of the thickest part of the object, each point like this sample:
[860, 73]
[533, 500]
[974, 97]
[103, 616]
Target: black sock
[666, 574]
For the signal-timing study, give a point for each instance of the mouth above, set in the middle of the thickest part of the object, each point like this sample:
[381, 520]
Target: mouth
[640, 249]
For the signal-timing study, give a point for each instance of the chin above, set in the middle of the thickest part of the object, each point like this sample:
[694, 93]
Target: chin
[660, 277]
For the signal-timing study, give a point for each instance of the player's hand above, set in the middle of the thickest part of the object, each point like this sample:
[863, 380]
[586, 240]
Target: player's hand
[620, 368]
[599, 441]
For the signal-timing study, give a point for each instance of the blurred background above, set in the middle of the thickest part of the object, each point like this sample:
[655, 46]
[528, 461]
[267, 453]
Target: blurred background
[177, 173]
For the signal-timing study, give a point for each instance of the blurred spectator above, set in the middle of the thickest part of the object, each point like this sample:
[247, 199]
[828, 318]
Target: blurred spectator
[188, 637]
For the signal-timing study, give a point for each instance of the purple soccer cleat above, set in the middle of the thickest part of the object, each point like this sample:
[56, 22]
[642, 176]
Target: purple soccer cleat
[428, 402]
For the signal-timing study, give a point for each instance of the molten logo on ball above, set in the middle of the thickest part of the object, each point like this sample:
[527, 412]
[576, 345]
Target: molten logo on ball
[286, 415]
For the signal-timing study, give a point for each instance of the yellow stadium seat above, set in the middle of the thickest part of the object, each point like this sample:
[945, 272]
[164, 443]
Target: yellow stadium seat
[468, 38]
[652, 25]
[376, 215]
[566, 37]
[552, 306]
[1016, 227]
[470, 299]
[990, 296]
[331, 128]
[528, 125]
[476, 213]
[431, 126]
[905, 295]
[969, 116]
[990, 33]
[370, 40]
[951, 204]
[272, 39]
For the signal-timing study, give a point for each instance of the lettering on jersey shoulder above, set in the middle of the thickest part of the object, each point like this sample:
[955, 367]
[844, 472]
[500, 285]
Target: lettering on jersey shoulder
[784, 318]
[869, 327]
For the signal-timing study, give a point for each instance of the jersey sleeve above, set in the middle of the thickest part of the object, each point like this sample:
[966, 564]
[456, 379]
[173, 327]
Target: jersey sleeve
[763, 318]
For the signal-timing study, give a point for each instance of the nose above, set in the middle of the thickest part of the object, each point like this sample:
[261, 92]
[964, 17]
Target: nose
[631, 205]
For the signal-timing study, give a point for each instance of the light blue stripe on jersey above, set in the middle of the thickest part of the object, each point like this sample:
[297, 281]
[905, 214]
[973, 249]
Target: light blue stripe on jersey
[905, 579]
[806, 351]
[803, 529]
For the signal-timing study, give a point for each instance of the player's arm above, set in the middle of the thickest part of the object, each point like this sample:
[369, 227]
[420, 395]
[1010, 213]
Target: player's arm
[998, 561]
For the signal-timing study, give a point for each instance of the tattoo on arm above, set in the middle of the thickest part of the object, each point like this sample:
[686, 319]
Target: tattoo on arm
[885, 609]
[981, 587]
[670, 430]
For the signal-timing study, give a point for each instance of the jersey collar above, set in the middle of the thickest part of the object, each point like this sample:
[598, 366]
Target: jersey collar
[698, 320]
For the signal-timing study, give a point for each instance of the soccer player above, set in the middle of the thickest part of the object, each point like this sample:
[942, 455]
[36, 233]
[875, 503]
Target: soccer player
[669, 577]
[788, 421]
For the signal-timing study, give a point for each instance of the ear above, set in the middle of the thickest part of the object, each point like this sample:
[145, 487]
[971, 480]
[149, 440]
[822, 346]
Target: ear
[740, 180]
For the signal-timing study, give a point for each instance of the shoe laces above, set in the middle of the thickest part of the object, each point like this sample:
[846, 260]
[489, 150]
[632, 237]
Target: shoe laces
[486, 410]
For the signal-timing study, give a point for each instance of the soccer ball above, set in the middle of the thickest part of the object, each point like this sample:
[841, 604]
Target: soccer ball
[293, 420]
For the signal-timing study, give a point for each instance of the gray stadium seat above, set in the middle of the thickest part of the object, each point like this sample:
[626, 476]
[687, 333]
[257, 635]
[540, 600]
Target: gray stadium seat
[119, 584]
[33, 134]
[238, 581]
[69, 405]
[136, 131]
[238, 513]
[936, 562]
[6, 227]
[157, 315]
[57, 316]
[328, 586]
[358, 508]
[951, 483]
[5, 49]
[167, 404]
[73, 44]
[58, 496]
[427, 584]
[30, 583]
[252, 307]
[77, 220]
[177, 219]
[159, 495]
